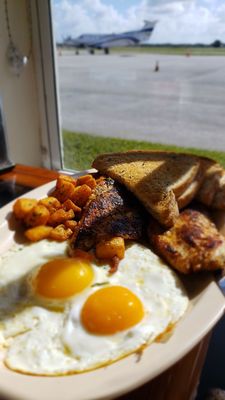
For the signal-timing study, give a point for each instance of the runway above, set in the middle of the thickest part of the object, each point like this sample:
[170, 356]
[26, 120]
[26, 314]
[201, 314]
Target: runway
[120, 95]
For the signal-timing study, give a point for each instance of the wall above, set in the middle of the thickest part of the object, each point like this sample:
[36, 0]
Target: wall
[19, 94]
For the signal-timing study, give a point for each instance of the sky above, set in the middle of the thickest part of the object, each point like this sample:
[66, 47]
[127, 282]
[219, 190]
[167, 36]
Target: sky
[179, 21]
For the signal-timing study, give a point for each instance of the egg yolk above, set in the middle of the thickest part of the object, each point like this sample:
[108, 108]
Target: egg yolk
[110, 310]
[63, 277]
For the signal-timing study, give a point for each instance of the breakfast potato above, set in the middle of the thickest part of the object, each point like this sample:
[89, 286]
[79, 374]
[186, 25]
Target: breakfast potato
[100, 179]
[23, 206]
[81, 195]
[38, 233]
[110, 248]
[71, 223]
[39, 215]
[64, 190]
[88, 180]
[67, 178]
[69, 205]
[60, 216]
[51, 203]
[60, 233]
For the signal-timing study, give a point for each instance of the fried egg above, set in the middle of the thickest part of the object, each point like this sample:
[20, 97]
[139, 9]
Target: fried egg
[61, 315]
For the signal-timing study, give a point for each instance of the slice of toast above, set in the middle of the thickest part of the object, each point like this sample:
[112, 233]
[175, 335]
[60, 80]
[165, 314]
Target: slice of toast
[155, 177]
[185, 198]
[218, 201]
[212, 172]
[189, 194]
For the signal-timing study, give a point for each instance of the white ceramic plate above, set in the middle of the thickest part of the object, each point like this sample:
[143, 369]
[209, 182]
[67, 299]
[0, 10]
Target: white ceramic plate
[206, 307]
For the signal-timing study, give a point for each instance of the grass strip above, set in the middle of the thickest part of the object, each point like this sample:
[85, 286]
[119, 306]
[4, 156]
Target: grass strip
[80, 149]
[154, 49]
[170, 50]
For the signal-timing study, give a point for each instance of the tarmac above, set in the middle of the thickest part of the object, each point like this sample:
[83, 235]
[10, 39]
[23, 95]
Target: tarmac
[121, 95]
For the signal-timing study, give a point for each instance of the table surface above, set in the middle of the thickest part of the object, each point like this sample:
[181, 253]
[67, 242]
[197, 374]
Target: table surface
[178, 382]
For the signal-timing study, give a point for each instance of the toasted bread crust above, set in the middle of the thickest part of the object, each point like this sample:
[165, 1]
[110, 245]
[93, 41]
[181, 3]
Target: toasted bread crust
[212, 172]
[189, 194]
[218, 201]
[155, 177]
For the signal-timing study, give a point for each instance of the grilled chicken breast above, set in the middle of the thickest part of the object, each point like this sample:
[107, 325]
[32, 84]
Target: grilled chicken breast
[191, 245]
[111, 211]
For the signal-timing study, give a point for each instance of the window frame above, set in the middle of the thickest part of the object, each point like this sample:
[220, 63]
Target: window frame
[47, 84]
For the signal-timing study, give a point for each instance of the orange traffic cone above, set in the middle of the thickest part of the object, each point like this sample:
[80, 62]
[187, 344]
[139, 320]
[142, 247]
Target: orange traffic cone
[156, 66]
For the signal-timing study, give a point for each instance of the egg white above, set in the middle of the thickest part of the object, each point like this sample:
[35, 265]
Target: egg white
[42, 341]
[164, 302]
[18, 306]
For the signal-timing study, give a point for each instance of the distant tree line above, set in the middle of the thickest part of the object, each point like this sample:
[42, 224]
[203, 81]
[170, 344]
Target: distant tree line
[216, 44]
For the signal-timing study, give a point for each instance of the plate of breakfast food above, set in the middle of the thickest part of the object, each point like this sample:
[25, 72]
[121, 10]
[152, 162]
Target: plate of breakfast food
[108, 278]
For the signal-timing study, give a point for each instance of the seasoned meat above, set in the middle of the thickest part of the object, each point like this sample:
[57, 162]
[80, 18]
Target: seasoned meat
[191, 245]
[111, 211]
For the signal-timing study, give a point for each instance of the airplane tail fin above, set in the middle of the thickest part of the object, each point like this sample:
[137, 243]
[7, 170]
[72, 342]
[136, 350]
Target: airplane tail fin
[149, 24]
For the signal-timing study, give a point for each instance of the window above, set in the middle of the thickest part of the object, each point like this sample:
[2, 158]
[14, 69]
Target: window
[166, 90]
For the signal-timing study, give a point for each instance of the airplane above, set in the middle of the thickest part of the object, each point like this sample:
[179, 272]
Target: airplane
[106, 41]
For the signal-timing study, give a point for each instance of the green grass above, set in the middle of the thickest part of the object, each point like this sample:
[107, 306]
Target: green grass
[170, 50]
[80, 149]
[166, 50]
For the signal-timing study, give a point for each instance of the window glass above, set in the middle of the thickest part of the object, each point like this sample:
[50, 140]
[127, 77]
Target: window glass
[140, 74]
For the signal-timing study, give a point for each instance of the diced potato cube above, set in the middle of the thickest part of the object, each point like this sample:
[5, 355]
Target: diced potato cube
[60, 233]
[100, 179]
[63, 178]
[81, 195]
[110, 248]
[69, 205]
[23, 206]
[60, 216]
[88, 180]
[38, 233]
[51, 203]
[64, 190]
[71, 223]
[39, 215]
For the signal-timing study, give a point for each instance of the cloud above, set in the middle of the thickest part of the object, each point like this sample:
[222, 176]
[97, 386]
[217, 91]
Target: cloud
[180, 21]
